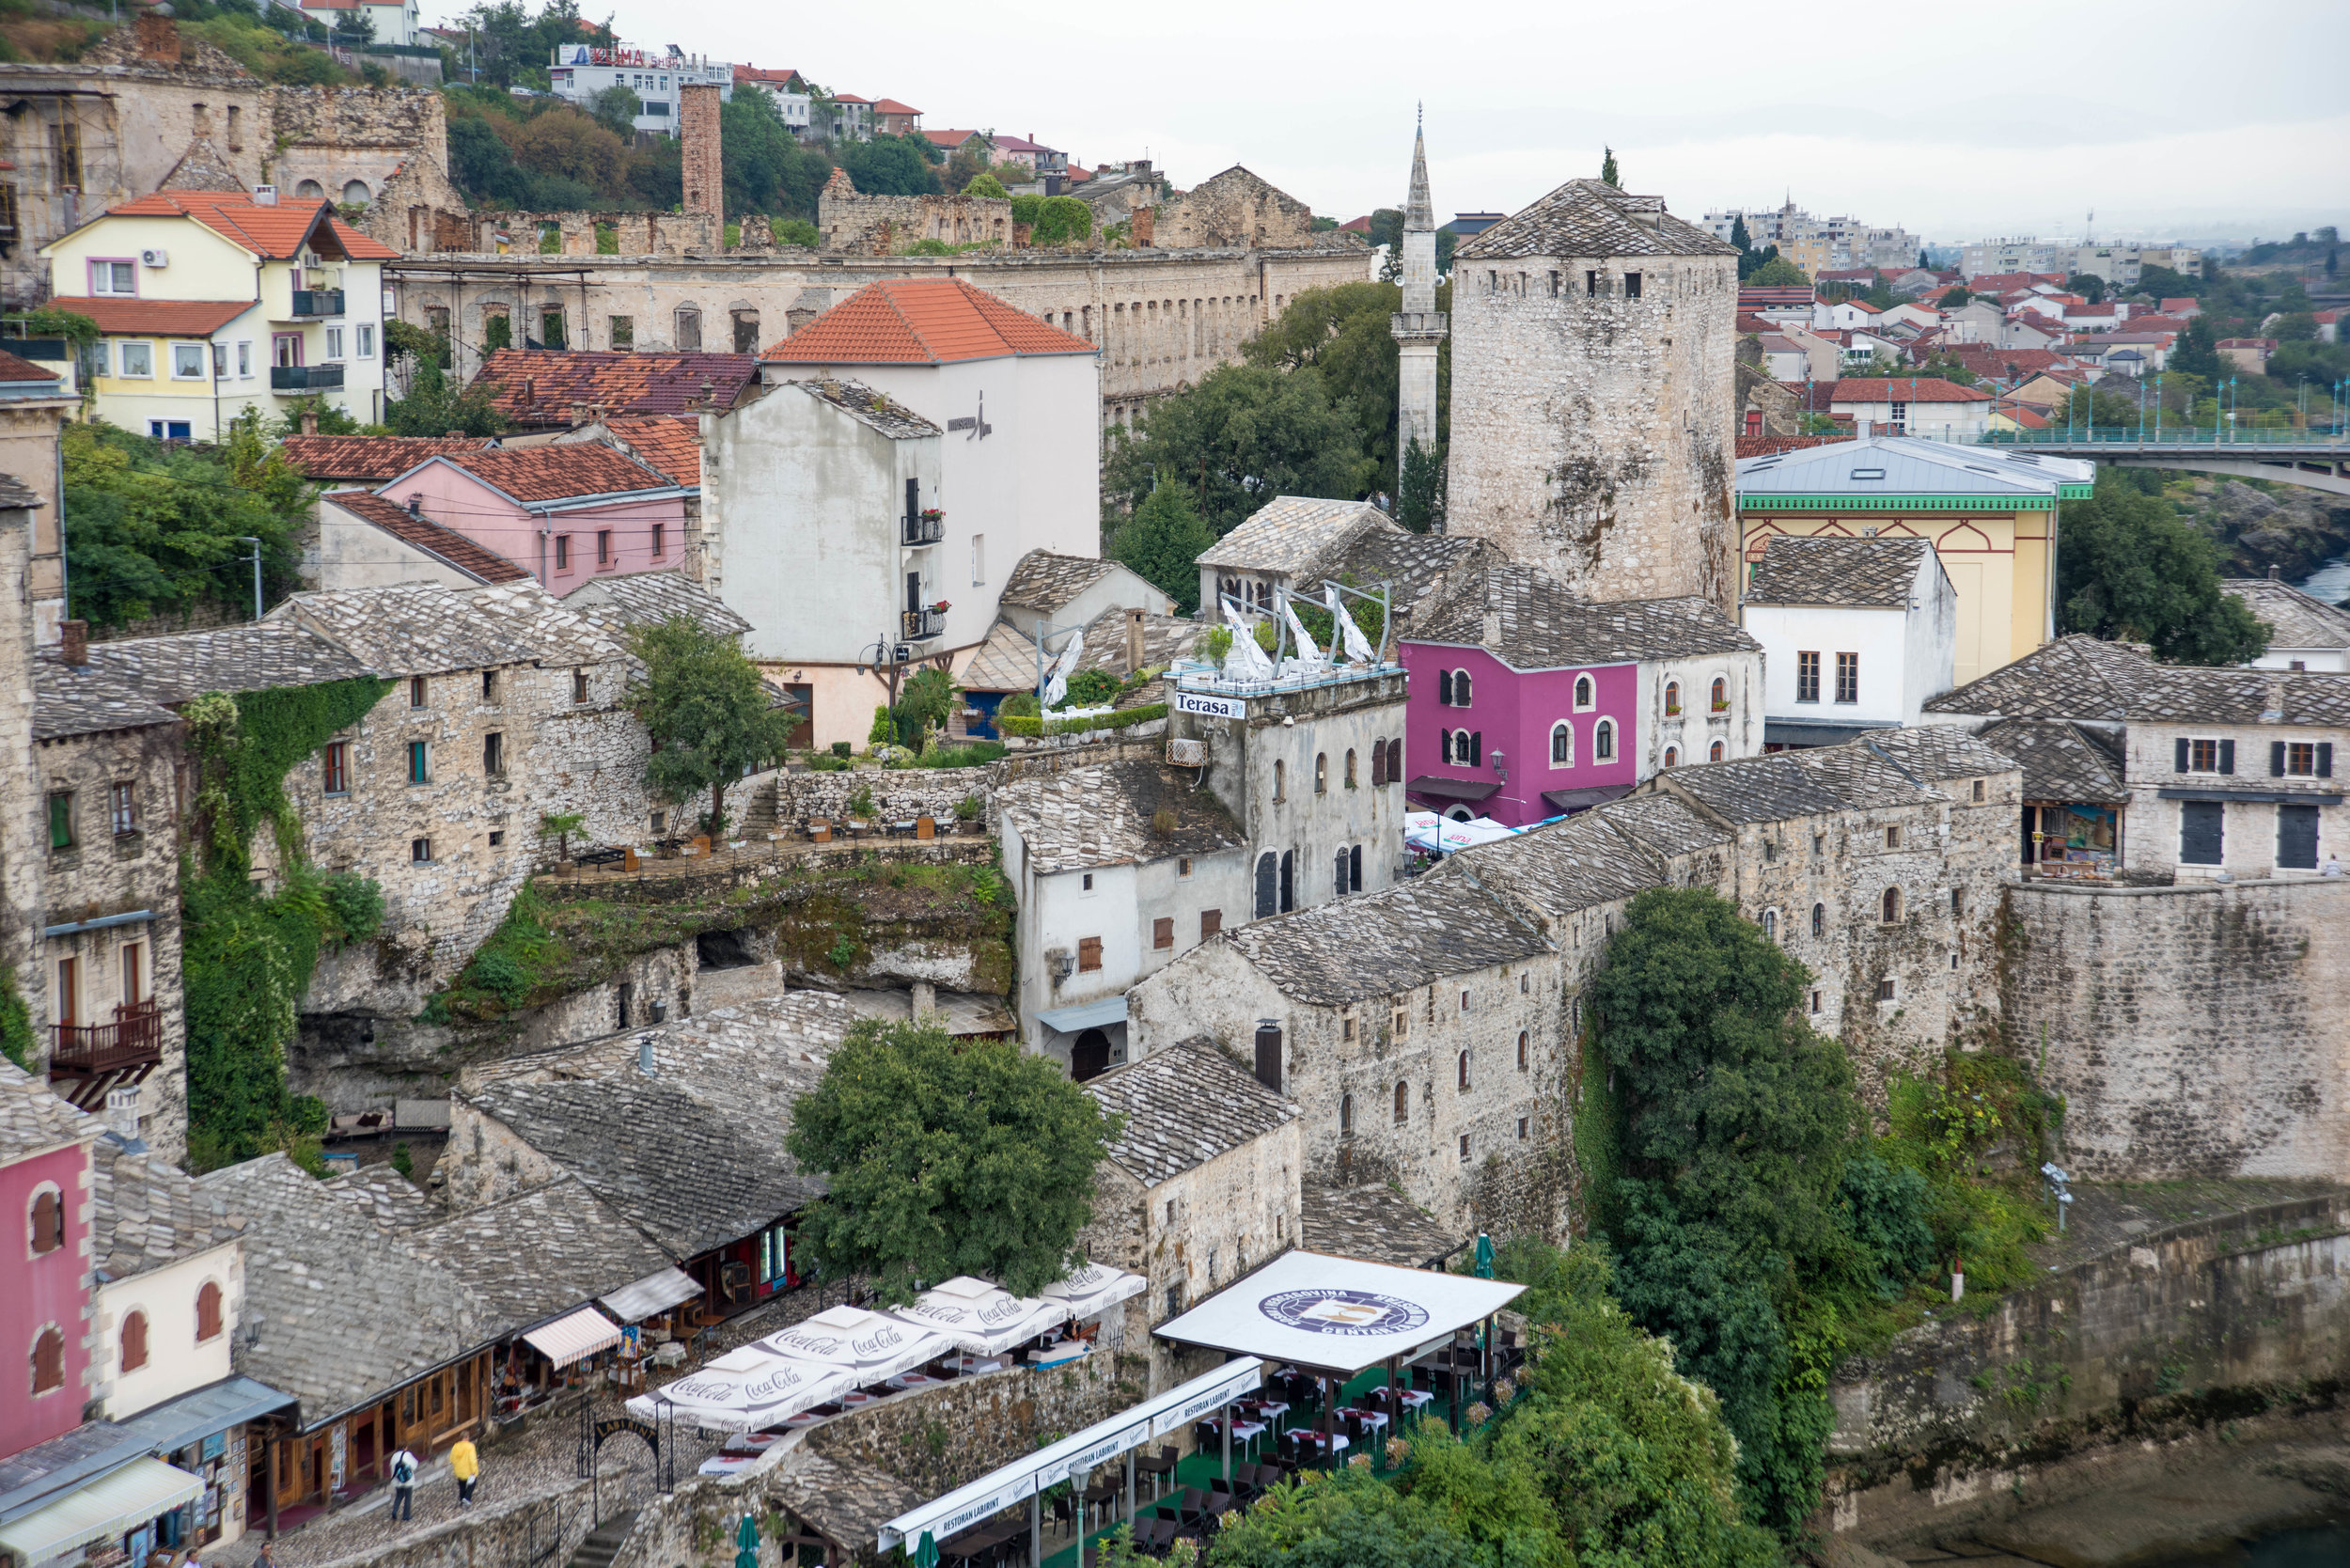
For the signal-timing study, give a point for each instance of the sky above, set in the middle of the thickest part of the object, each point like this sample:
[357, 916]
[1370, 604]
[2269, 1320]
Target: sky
[2168, 120]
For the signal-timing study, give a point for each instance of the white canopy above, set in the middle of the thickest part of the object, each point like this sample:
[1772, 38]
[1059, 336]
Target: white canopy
[573, 1337]
[981, 1318]
[1443, 835]
[656, 1292]
[1339, 1314]
[744, 1391]
[1094, 1289]
[122, 1501]
[869, 1346]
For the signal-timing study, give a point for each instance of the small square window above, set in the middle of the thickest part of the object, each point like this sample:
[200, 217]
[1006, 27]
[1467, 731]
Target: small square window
[1183, 867]
[1211, 921]
[334, 768]
[660, 540]
[497, 837]
[562, 552]
[1978, 790]
[1465, 1154]
[489, 686]
[1087, 882]
[1523, 1122]
[418, 691]
[1815, 1001]
[419, 763]
[61, 819]
[579, 685]
[1464, 1007]
[1885, 990]
[1163, 934]
[138, 360]
[123, 808]
[421, 851]
[189, 362]
[1892, 837]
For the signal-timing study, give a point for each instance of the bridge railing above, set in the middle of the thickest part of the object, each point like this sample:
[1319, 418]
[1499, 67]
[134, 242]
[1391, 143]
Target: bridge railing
[2329, 440]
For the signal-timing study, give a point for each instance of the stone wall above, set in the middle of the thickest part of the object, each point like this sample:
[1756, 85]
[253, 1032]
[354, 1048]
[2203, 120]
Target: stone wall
[2192, 1030]
[1590, 432]
[327, 138]
[853, 224]
[2209, 1320]
[495, 1534]
[1236, 207]
[956, 1433]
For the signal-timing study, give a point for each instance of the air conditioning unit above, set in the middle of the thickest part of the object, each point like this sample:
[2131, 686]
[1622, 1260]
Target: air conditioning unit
[310, 259]
[154, 258]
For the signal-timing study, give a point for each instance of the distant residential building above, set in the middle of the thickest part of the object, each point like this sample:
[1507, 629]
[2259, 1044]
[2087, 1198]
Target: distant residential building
[1043, 162]
[952, 142]
[1819, 246]
[1465, 223]
[789, 90]
[1920, 406]
[2248, 355]
[1856, 634]
[1777, 302]
[2015, 254]
[387, 21]
[2305, 631]
[577, 72]
[893, 118]
[564, 514]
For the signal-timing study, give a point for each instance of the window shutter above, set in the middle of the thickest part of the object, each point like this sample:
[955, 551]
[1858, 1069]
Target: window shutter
[1477, 748]
[2180, 765]
[1395, 760]
[1341, 878]
[1378, 763]
[2275, 759]
[1443, 688]
[2324, 759]
[2227, 757]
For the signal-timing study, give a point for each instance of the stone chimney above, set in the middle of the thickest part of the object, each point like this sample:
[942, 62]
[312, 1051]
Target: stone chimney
[75, 649]
[1145, 225]
[698, 136]
[1134, 637]
[157, 37]
[310, 420]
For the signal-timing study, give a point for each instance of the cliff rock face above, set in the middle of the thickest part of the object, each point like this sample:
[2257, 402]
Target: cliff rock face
[2258, 527]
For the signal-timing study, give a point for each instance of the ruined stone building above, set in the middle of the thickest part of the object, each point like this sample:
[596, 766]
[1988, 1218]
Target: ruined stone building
[1594, 335]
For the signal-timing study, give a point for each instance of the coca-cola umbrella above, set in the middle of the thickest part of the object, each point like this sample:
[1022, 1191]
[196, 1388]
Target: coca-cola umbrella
[983, 1319]
[1094, 1289]
[868, 1347]
[744, 1391]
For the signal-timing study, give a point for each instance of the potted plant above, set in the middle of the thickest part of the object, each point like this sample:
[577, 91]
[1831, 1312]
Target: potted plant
[967, 814]
[933, 514]
[861, 807]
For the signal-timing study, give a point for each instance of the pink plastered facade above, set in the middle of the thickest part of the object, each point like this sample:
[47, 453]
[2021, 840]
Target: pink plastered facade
[43, 1292]
[1512, 715]
[563, 548]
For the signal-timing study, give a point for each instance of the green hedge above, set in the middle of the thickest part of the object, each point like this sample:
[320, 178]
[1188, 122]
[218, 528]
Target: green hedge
[1118, 720]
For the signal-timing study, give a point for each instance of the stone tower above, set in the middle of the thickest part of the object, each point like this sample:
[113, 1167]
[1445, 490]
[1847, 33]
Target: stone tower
[698, 141]
[1593, 395]
[1419, 326]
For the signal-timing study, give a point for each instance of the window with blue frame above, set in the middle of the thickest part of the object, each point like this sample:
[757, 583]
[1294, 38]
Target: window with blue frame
[170, 430]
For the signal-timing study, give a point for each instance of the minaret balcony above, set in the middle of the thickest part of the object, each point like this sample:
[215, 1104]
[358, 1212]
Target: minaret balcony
[1427, 325]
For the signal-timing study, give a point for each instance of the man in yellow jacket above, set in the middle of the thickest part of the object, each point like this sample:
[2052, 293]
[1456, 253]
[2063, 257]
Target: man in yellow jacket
[465, 1463]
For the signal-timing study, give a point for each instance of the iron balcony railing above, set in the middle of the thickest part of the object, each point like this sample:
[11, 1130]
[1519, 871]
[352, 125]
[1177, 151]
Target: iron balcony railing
[317, 302]
[921, 625]
[924, 530]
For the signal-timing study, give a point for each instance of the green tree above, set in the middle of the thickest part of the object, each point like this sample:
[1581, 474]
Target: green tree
[1607, 171]
[923, 705]
[1061, 220]
[433, 407]
[889, 166]
[944, 1157]
[1346, 333]
[766, 168]
[1775, 272]
[1955, 298]
[985, 184]
[2132, 569]
[2089, 286]
[1242, 435]
[156, 532]
[1161, 542]
[567, 144]
[966, 164]
[2295, 326]
[2197, 352]
[2162, 283]
[1738, 235]
[1420, 488]
[707, 710]
[616, 109]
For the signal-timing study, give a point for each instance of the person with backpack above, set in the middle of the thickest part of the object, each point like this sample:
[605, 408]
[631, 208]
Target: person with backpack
[403, 1484]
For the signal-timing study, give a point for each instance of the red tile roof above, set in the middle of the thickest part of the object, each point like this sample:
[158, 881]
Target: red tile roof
[921, 320]
[848, 97]
[2187, 305]
[1756, 323]
[278, 232]
[759, 73]
[542, 386]
[1355, 225]
[891, 106]
[13, 368]
[672, 445]
[368, 457]
[118, 318]
[561, 473]
[427, 535]
[1899, 389]
[1763, 445]
[947, 138]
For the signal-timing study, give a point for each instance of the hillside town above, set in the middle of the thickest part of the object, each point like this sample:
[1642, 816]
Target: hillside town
[740, 830]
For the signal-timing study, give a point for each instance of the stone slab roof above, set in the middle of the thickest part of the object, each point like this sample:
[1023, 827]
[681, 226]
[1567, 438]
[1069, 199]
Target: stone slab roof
[16, 495]
[1853, 574]
[1592, 219]
[1542, 625]
[33, 1120]
[1293, 535]
[1102, 816]
[543, 1252]
[651, 598]
[1164, 639]
[384, 1197]
[1661, 825]
[561, 635]
[847, 1501]
[468, 555]
[2060, 761]
[248, 658]
[1376, 1224]
[1864, 775]
[1756, 788]
[1581, 863]
[1437, 924]
[1183, 1108]
[337, 1311]
[146, 1213]
[1045, 581]
[2185, 694]
[88, 699]
[1936, 752]
[1423, 568]
[1006, 661]
[2296, 619]
[2082, 679]
[868, 406]
[404, 629]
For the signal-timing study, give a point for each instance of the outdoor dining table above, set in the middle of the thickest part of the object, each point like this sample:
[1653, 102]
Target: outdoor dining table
[913, 1380]
[1102, 1496]
[1308, 1437]
[1415, 1398]
[968, 1366]
[856, 1397]
[1271, 1411]
[1058, 1352]
[1244, 1433]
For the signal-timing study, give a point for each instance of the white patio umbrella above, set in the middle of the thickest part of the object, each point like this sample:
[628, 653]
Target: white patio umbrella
[983, 1319]
[1094, 1289]
[870, 1347]
[743, 1392]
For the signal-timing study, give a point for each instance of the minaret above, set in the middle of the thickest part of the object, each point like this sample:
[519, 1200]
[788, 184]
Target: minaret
[1418, 326]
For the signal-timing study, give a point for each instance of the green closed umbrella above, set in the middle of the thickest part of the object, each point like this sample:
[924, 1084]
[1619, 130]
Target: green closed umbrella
[1484, 1256]
[926, 1554]
[746, 1537]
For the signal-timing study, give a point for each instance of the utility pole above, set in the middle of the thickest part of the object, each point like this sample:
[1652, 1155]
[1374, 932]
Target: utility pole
[249, 539]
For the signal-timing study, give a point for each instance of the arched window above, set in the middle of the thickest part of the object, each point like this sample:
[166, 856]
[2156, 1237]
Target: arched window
[1280, 781]
[1460, 689]
[1378, 763]
[1561, 745]
[1672, 757]
[1770, 924]
[310, 190]
[1819, 920]
[1604, 741]
[1672, 697]
[1714, 753]
[48, 1361]
[207, 1312]
[1350, 767]
[1582, 693]
[1268, 882]
[1523, 1053]
[1346, 1116]
[1321, 773]
[1402, 1104]
[1722, 694]
[48, 1221]
[1464, 1083]
[1892, 906]
[134, 1340]
[355, 193]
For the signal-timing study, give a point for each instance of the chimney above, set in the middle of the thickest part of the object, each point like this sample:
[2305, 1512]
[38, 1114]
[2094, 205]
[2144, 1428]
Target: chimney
[698, 136]
[2272, 572]
[1145, 224]
[643, 1057]
[310, 420]
[530, 391]
[264, 195]
[415, 503]
[158, 39]
[1134, 641]
[75, 648]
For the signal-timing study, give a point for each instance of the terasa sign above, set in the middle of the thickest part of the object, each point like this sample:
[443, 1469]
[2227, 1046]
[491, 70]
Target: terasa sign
[1214, 706]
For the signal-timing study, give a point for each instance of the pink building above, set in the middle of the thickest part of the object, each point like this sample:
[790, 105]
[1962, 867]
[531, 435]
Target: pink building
[566, 514]
[44, 1288]
[1527, 702]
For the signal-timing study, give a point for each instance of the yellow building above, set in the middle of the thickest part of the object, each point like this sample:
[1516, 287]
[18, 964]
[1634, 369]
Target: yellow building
[212, 301]
[1992, 514]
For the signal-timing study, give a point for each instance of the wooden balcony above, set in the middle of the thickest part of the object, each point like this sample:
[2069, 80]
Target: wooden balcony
[85, 1060]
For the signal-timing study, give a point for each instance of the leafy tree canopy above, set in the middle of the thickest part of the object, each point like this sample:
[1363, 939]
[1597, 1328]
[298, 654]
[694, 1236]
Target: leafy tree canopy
[1608, 170]
[2089, 286]
[435, 407]
[984, 183]
[767, 170]
[1775, 272]
[889, 166]
[707, 710]
[1161, 541]
[2132, 569]
[1242, 435]
[943, 1158]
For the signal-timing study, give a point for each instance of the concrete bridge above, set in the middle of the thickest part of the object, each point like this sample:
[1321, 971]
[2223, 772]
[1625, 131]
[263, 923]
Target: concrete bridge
[2314, 460]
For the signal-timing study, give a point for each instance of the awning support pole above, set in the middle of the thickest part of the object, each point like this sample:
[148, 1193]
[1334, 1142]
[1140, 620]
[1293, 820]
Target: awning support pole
[1036, 1530]
[1226, 1424]
[1129, 1494]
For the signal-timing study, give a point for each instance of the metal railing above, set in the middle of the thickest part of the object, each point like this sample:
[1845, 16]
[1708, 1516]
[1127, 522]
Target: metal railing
[1209, 681]
[921, 625]
[2131, 435]
[304, 378]
[924, 530]
[135, 1039]
[317, 302]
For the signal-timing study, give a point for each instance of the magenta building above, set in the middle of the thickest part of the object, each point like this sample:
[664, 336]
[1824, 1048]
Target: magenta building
[44, 1289]
[1527, 702]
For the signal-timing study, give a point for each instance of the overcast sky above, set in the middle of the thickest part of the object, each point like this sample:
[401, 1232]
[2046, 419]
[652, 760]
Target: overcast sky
[2171, 120]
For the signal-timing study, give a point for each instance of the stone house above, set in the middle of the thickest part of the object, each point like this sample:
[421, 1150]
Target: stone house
[1290, 543]
[34, 403]
[1528, 701]
[1043, 588]
[1200, 1185]
[2305, 631]
[2229, 773]
[1594, 335]
[1118, 869]
[1930, 408]
[1856, 634]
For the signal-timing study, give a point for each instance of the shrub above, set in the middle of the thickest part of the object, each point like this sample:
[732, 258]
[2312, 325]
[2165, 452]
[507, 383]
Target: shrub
[825, 762]
[839, 748]
[884, 729]
[861, 804]
[1090, 688]
[967, 808]
[1018, 705]
[356, 905]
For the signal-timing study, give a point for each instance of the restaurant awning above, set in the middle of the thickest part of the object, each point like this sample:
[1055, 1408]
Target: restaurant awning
[1811, 732]
[656, 1292]
[1085, 1015]
[1434, 787]
[1583, 800]
[185, 1422]
[573, 1337]
[1338, 1314]
[117, 1502]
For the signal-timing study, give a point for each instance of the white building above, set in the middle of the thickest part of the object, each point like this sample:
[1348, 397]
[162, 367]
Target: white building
[1856, 634]
[1912, 405]
[389, 21]
[2305, 631]
[578, 71]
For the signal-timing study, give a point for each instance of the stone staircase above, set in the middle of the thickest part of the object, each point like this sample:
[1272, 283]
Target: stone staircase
[758, 813]
[604, 1543]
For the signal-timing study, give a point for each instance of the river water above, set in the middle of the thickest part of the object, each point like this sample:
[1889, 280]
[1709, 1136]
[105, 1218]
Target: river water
[2331, 583]
[2321, 1546]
